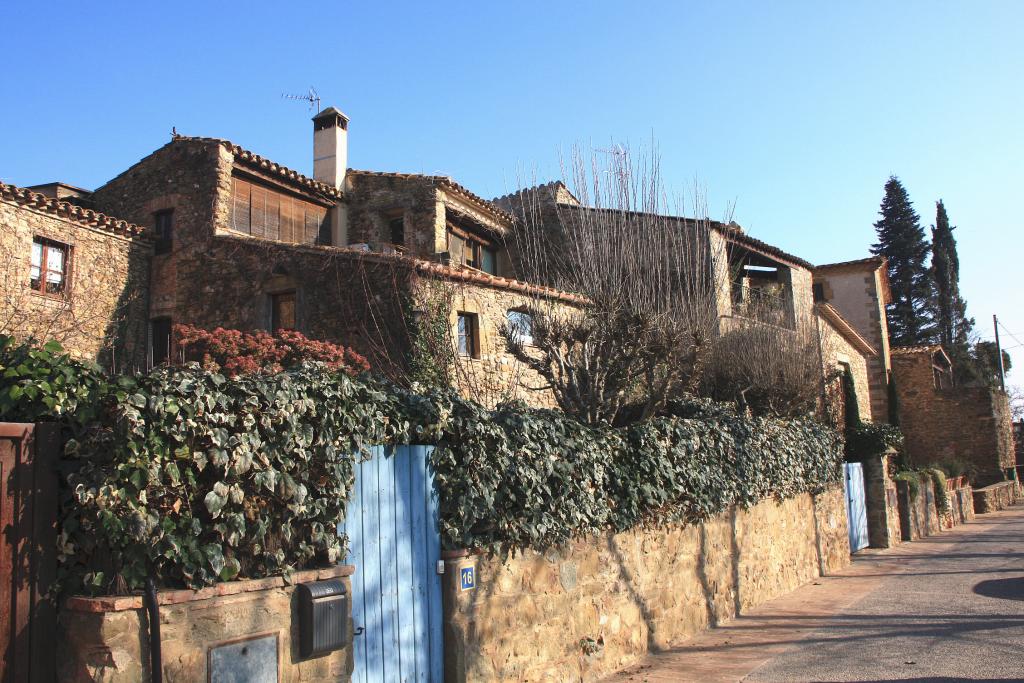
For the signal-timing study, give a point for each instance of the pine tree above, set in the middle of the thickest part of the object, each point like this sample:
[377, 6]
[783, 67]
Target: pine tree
[901, 240]
[953, 327]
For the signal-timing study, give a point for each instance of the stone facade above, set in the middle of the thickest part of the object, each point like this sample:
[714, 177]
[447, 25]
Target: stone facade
[107, 639]
[599, 604]
[943, 423]
[859, 290]
[100, 312]
[842, 348]
[882, 502]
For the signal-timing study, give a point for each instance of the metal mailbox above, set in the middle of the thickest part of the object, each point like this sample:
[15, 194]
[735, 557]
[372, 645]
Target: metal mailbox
[323, 617]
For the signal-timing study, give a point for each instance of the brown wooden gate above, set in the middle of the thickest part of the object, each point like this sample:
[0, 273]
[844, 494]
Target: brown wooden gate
[28, 522]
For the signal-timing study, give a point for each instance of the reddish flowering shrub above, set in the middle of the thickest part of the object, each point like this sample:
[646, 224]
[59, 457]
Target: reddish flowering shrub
[234, 352]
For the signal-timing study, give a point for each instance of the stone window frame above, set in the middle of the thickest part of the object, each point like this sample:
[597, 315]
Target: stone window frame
[391, 219]
[46, 243]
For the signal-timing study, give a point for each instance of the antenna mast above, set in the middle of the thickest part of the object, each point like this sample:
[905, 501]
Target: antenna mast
[312, 97]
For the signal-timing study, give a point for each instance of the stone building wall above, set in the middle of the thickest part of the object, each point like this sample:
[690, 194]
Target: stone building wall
[373, 199]
[856, 290]
[919, 516]
[101, 315]
[970, 424]
[599, 604]
[837, 351]
[107, 639]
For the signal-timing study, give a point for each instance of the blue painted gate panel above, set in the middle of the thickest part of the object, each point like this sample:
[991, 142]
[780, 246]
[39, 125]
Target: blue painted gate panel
[856, 509]
[395, 544]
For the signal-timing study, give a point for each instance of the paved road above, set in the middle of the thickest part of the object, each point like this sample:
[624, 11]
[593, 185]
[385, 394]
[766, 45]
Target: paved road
[946, 608]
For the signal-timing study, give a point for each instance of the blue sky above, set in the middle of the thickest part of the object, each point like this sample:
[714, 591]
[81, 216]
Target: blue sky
[796, 111]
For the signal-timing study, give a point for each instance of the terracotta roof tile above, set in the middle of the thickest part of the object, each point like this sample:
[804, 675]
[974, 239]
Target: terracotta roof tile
[923, 348]
[876, 261]
[71, 212]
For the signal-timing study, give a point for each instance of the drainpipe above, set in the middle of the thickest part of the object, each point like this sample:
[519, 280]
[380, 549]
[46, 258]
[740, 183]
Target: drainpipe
[155, 660]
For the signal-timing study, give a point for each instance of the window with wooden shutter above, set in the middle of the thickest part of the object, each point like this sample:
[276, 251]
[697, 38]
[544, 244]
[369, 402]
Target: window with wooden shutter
[282, 311]
[264, 212]
[240, 203]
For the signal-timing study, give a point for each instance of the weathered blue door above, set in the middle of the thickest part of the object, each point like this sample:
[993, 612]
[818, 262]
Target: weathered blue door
[395, 545]
[856, 509]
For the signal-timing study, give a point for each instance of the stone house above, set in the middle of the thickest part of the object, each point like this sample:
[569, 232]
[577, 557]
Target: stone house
[859, 291]
[754, 283]
[72, 274]
[943, 422]
[364, 258]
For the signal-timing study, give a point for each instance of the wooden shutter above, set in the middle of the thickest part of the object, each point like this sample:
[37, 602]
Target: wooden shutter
[240, 205]
[290, 218]
[273, 225]
[258, 217]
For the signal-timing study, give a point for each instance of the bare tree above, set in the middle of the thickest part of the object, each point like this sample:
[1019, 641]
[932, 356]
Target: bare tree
[647, 275]
[770, 368]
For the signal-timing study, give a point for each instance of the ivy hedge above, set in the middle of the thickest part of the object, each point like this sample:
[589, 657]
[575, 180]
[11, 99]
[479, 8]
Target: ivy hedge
[194, 478]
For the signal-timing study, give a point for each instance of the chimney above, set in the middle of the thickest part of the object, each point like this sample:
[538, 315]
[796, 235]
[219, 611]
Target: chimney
[330, 147]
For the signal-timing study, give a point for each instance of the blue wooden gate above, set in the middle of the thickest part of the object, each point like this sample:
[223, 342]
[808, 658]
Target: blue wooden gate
[856, 509]
[395, 545]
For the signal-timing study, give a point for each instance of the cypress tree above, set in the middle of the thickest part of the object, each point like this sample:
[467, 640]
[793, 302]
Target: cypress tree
[953, 327]
[901, 240]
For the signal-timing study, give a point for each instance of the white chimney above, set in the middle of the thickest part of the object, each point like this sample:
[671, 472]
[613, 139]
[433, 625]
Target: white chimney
[330, 147]
[330, 160]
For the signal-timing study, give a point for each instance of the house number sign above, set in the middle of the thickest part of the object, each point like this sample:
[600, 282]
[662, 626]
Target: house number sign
[467, 578]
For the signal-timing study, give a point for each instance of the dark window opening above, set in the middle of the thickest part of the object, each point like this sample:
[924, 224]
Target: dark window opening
[48, 272]
[160, 340]
[163, 228]
[468, 335]
[282, 314]
[819, 292]
[396, 226]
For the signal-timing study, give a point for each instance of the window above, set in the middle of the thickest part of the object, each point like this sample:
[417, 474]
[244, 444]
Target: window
[469, 336]
[396, 226]
[160, 340]
[264, 212]
[819, 292]
[282, 315]
[472, 251]
[48, 273]
[163, 224]
[520, 324]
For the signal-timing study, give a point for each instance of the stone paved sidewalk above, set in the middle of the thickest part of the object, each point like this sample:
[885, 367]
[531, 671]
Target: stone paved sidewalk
[948, 607]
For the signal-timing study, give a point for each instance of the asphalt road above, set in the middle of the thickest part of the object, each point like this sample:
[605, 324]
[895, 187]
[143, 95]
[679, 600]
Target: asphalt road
[946, 608]
[953, 611]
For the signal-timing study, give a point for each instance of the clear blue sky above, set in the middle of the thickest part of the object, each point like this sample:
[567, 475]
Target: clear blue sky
[798, 111]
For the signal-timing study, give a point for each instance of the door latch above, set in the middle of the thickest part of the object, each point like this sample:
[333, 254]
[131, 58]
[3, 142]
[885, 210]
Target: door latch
[358, 631]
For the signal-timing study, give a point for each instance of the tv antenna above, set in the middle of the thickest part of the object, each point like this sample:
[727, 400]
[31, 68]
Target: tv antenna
[616, 150]
[312, 97]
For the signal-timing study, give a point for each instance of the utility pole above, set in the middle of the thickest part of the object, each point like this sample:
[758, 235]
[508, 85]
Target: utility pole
[999, 354]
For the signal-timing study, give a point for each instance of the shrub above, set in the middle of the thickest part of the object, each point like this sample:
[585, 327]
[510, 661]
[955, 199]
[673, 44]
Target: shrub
[913, 480]
[195, 478]
[867, 440]
[234, 352]
[938, 478]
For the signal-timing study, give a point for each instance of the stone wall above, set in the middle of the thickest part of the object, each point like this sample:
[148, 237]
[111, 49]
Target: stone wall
[882, 503]
[856, 290]
[837, 351]
[918, 514]
[961, 506]
[598, 604]
[101, 315]
[996, 497]
[970, 424]
[107, 639]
